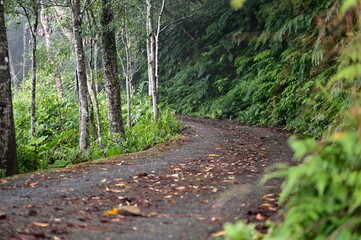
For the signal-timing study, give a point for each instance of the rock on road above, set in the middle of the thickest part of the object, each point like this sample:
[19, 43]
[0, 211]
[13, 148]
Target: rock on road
[185, 189]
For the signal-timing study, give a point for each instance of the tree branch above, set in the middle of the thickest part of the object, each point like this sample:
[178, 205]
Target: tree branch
[182, 19]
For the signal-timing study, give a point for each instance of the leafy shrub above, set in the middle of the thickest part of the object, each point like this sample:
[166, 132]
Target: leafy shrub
[325, 189]
[322, 195]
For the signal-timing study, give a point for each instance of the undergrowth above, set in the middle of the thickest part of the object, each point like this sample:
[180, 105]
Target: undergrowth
[56, 142]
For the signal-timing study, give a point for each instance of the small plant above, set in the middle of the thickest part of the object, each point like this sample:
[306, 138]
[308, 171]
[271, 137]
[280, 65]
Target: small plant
[241, 231]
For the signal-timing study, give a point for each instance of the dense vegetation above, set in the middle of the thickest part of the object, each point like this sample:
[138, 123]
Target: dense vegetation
[263, 64]
[281, 63]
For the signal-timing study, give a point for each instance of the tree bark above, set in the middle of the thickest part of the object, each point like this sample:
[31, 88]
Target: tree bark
[128, 69]
[8, 155]
[82, 79]
[24, 52]
[152, 53]
[34, 39]
[112, 84]
[47, 33]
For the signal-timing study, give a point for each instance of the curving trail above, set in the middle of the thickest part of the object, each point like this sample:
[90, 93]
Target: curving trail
[184, 189]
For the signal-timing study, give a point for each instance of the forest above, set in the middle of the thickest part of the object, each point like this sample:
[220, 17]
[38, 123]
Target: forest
[97, 78]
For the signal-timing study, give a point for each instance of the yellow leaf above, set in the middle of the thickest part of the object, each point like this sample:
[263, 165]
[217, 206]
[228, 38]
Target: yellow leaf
[113, 212]
[338, 135]
[218, 234]
[266, 205]
[177, 169]
[213, 155]
[152, 214]
[237, 4]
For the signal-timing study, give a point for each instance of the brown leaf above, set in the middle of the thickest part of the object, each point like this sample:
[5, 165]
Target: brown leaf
[260, 217]
[129, 211]
[142, 174]
[113, 190]
[32, 184]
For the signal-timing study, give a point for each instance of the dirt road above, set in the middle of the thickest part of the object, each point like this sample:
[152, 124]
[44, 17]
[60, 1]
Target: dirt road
[186, 189]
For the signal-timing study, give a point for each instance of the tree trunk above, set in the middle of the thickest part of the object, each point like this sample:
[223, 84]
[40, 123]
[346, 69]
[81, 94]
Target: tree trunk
[47, 33]
[93, 96]
[128, 70]
[8, 155]
[112, 84]
[82, 79]
[25, 43]
[152, 48]
[34, 69]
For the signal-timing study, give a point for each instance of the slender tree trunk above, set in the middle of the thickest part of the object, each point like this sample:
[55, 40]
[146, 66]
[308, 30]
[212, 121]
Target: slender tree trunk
[47, 33]
[128, 70]
[152, 53]
[34, 70]
[82, 79]
[25, 43]
[112, 84]
[8, 156]
[93, 96]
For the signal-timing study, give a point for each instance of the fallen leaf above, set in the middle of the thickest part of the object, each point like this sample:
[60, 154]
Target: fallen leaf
[266, 205]
[218, 234]
[112, 212]
[181, 188]
[129, 211]
[3, 181]
[217, 219]
[104, 180]
[213, 155]
[32, 184]
[215, 190]
[153, 214]
[177, 169]
[260, 217]
[40, 224]
[204, 201]
[142, 174]
[113, 190]
[175, 175]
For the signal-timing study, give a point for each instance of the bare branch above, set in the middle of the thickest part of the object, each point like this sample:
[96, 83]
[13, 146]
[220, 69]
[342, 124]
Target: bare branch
[182, 19]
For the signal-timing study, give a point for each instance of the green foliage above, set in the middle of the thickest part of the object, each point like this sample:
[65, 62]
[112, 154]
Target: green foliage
[56, 143]
[325, 190]
[322, 195]
[261, 64]
[241, 231]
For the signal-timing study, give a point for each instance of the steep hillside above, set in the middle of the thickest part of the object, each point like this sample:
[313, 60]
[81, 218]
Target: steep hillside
[264, 64]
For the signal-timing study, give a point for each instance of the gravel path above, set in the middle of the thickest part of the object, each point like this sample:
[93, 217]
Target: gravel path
[186, 189]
